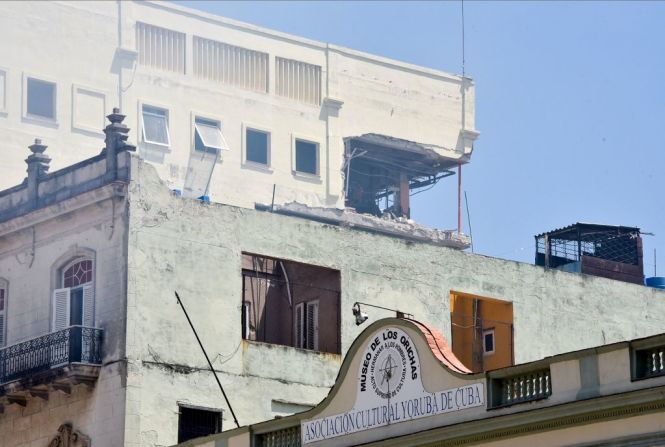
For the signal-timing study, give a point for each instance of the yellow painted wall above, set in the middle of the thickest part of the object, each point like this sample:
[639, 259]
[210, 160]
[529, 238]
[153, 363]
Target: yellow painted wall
[468, 337]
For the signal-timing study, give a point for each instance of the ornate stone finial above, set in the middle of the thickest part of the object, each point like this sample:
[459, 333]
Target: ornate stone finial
[117, 133]
[38, 162]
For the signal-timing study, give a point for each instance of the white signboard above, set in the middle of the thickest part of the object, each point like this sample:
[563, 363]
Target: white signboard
[390, 390]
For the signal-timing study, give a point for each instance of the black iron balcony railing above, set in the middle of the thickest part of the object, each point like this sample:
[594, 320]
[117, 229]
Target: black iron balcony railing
[76, 344]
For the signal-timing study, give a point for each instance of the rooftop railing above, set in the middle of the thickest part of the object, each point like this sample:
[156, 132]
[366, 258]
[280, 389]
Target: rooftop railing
[76, 344]
[530, 386]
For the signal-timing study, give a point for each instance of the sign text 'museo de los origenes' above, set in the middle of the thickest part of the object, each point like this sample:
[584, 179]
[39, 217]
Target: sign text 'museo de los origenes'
[390, 390]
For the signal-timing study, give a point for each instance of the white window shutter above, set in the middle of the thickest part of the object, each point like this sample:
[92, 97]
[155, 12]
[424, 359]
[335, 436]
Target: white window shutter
[299, 326]
[89, 305]
[313, 325]
[60, 309]
[2, 328]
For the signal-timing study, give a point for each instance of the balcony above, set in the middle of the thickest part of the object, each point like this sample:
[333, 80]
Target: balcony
[54, 361]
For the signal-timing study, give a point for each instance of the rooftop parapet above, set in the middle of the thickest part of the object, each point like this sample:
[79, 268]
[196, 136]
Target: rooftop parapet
[40, 188]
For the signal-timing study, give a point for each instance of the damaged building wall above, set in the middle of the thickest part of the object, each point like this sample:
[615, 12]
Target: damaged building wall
[196, 249]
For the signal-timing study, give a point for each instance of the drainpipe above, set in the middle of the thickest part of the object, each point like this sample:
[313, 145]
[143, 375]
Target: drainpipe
[120, 46]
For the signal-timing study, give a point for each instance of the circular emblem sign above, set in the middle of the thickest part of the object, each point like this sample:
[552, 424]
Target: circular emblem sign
[389, 361]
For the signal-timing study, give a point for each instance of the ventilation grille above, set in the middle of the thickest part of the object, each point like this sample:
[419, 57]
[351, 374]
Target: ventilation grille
[160, 48]
[220, 62]
[298, 80]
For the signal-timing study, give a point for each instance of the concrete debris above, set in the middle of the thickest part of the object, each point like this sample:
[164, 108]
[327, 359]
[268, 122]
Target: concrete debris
[400, 227]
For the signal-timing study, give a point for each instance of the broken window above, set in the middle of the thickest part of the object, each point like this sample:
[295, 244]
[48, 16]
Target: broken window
[283, 300]
[382, 173]
[482, 331]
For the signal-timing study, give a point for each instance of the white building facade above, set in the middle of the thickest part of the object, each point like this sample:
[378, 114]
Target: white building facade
[239, 113]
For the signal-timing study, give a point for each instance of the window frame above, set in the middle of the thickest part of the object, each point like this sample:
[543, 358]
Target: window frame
[188, 406]
[220, 126]
[38, 118]
[76, 89]
[303, 174]
[303, 342]
[486, 332]
[254, 164]
[143, 139]
[89, 287]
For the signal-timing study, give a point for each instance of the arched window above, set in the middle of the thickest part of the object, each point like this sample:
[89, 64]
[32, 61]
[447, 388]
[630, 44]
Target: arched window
[4, 287]
[74, 302]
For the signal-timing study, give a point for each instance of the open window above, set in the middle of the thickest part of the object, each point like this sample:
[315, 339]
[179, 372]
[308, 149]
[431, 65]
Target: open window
[208, 136]
[74, 301]
[283, 300]
[482, 331]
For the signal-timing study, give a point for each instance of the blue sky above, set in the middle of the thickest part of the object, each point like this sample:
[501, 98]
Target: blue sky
[570, 103]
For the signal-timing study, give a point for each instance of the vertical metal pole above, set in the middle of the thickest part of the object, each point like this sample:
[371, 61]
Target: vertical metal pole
[468, 219]
[459, 198]
[272, 204]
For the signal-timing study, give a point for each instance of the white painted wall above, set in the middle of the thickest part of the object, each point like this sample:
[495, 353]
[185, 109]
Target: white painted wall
[183, 245]
[75, 45]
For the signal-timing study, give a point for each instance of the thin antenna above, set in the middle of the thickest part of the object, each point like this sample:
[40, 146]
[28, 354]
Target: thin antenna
[208, 359]
[463, 55]
[468, 218]
[655, 273]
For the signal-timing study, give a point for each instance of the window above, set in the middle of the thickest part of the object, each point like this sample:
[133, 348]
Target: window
[282, 301]
[307, 325]
[197, 422]
[257, 146]
[73, 304]
[208, 136]
[3, 311]
[488, 342]
[155, 126]
[40, 101]
[482, 331]
[307, 157]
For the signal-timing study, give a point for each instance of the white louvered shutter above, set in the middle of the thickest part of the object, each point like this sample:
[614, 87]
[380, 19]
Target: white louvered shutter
[60, 309]
[313, 325]
[2, 328]
[299, 326]
[89, 305]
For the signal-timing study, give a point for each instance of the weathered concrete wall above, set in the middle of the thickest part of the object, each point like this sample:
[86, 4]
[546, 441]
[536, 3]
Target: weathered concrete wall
[32, 250]
[80, 56]
[194, 248]
[96, 413]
